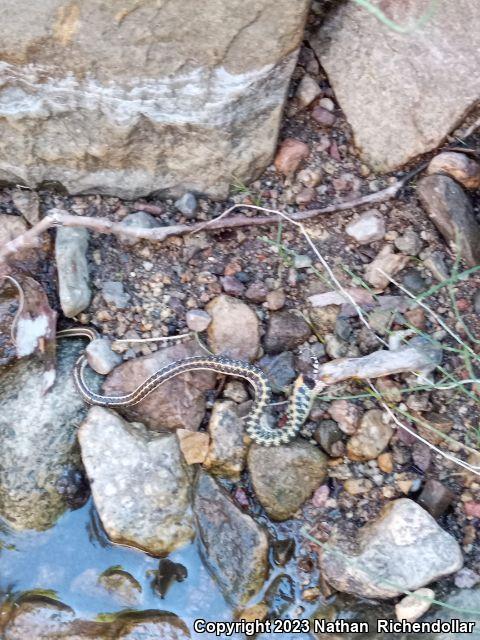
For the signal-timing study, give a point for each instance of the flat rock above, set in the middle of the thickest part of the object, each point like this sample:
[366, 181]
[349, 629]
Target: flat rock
[286, 330]
[38, 439]
[73, 279]
[163, 100]
[284, 477]
[450, 209]
[402, 550]
[227, 451]
[368, 227]
[179, 403]
[234, 330]
[233, 545]
[140, 482]
[402, 93]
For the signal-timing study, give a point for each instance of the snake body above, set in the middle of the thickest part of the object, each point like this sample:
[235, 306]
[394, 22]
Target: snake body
[256, 425]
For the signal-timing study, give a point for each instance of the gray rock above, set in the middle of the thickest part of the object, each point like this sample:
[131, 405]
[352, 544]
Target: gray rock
[187, 205]
[73, 279]
[403, 550]
[286, 330]
[113, 293]
[409, 243]
[450, 209]
[284, 477]
[424, 93]
[369, 227]
[227, 451]
[176, 404]
[197, 320]
[234, 330]
[302, 261]
[137, 220]
[279, 369]
[37, 439]
[329, 437]
[465, 600]
[28, 203]
[413, 281]
[140, 482]
[234, 547]
[164, 99]
[435, 497]
[101, 357]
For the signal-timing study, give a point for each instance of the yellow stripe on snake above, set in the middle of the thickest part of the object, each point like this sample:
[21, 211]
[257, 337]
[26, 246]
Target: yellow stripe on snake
[255, 424]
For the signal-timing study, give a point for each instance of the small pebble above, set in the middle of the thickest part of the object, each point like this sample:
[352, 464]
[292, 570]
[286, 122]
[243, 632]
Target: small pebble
[113, 293]
[256, 292]
[100, 356]
[197, 320]
[323, 117]
[302, 262]
[369, 227]
[289, 156]
[232, 286]
[187, 205]
[307, 91]
[275, 300]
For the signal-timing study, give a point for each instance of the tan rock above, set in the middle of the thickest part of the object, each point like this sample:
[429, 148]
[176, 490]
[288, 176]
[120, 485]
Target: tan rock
[290, 155]
[385, 462]
[457, 165]
[371, 438]
[387, 263]
[414, 606]
[234, 330]
[193, 445]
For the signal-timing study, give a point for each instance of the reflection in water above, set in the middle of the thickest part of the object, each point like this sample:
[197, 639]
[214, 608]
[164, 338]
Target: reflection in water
[59, 561]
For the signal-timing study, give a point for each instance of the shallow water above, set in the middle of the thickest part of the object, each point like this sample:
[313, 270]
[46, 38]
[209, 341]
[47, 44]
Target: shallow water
[58, 558]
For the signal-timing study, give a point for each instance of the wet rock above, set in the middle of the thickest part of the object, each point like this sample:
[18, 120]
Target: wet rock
[289, 156]
[101, 357]
[323, 117]
[114, 294]
[234, 547]
[307, 91]
[37, 439]
[284, 477]
[346, 414]
[256, 292]
[416, 97]
[275, 300]
[194, 445]
[234, 330]
[451, 211]
[369, 227]
[124, 588]
[279, 595]
[138, 220]
[286, 330]
[178, 403]
[227, 452]
[414, 606]
[279, 369]
[141, 489]
[73, 278]
[409, 243]
[371, 438]
[28, 203]
[232, 286]
[435, 497]
[187, 205]
[459, 166]
[329, 437]
[388, 262]
[198, 320]
[402, 550]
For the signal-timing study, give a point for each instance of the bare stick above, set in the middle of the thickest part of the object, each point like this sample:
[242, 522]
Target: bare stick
[58, 218]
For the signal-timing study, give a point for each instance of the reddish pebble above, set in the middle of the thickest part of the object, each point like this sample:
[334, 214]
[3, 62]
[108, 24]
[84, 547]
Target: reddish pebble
[463, 304]
[232, 286]
[290, 155]
[334, 152]
[323, 117]
[472, 509]
[241, 497]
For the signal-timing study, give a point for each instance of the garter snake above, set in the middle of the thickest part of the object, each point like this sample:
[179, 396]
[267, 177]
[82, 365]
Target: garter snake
[256, 425]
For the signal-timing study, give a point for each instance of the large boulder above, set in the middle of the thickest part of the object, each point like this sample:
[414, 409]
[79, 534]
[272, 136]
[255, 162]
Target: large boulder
[133, 98]
[402, 92]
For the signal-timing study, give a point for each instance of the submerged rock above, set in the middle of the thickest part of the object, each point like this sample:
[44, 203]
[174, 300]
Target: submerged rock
[403, 550]
[140, 482]
[38, 439]
[178, 403]
[234, 547]
[284, 477]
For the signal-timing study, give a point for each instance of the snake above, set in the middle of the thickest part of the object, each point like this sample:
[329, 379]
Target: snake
[256, 424]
